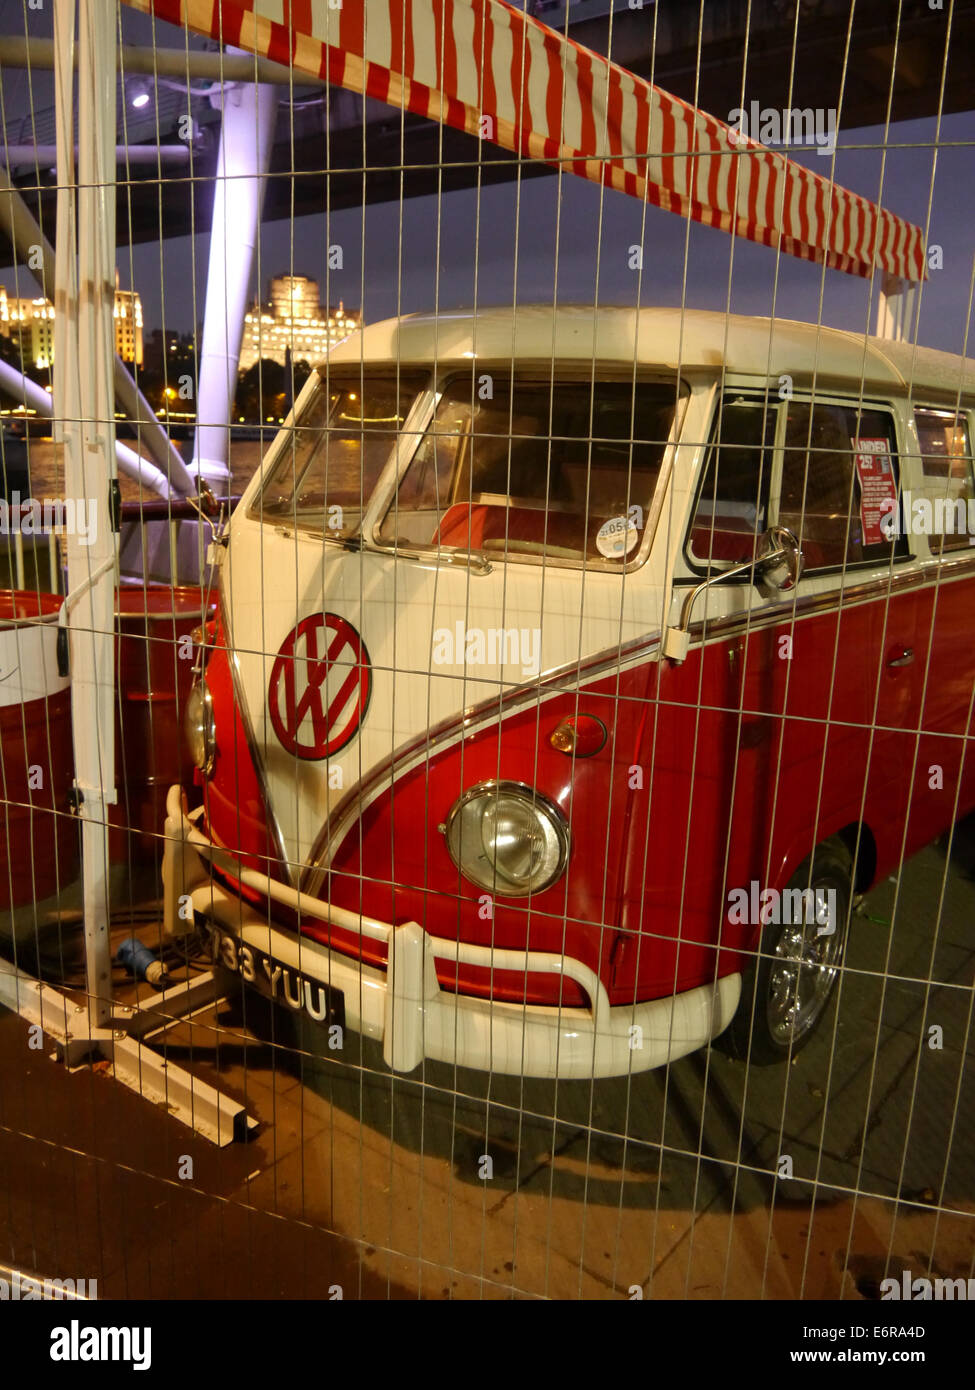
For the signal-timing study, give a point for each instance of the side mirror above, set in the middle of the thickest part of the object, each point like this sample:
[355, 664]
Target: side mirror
[778, 565]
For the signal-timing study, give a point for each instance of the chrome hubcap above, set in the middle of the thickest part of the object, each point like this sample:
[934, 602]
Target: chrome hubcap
[801, 978]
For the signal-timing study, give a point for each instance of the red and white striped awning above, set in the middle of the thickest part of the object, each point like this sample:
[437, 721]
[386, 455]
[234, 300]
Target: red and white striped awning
[483, 67]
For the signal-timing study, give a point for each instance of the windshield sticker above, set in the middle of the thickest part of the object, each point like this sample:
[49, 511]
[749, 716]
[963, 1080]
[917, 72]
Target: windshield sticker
[617, 537]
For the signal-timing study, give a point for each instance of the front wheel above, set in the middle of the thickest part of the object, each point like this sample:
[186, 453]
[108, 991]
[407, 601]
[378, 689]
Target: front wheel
[787, 987]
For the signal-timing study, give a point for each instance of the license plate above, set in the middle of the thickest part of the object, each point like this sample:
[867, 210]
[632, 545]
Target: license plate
[282, 984]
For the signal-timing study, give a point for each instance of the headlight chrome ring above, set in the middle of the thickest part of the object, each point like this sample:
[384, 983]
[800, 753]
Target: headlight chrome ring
[198, 723]
[507, 838]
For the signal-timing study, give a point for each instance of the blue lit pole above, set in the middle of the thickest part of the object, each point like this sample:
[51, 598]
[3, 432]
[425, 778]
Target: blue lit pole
[246, 137]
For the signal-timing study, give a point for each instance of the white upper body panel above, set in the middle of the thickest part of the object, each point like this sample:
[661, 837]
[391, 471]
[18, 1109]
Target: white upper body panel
[671, 339]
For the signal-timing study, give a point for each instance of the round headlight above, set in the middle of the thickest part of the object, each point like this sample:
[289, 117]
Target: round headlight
[507, 838]
[199, 726]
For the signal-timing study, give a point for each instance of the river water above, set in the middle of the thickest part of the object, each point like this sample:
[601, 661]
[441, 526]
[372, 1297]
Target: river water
[47, 468]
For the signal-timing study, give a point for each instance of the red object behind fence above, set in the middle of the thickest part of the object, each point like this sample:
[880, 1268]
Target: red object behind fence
[38, 834]
[155, 672]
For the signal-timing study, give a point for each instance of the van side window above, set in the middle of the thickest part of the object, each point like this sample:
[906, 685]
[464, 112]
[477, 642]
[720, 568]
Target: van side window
[839, 484]
[946, 455]
[733, 502]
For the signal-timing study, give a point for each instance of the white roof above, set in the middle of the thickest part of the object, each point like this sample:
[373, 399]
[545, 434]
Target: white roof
[667, 338]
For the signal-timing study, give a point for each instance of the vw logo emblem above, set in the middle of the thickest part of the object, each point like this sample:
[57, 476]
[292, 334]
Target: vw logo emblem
[320, 686]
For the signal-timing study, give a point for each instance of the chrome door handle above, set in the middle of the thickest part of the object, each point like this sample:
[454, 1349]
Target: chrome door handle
[903, 658]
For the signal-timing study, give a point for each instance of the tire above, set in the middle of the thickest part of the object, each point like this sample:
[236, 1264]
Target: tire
[775, 1019]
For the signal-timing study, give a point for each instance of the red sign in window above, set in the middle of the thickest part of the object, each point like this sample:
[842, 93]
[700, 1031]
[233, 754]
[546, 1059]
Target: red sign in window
[878, 489]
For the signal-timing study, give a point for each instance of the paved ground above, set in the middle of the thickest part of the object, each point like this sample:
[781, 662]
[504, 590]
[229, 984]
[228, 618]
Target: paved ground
[667, 1184]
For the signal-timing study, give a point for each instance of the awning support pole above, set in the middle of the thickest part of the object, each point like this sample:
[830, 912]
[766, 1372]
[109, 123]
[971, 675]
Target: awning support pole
[895, 309]
[84, 382]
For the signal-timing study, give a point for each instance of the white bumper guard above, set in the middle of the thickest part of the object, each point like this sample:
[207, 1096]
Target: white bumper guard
[405, 1009]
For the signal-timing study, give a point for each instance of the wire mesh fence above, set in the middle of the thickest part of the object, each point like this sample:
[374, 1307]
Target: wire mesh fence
[486, 671]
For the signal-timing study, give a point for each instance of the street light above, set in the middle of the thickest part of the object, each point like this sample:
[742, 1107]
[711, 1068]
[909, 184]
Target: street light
[139, 92]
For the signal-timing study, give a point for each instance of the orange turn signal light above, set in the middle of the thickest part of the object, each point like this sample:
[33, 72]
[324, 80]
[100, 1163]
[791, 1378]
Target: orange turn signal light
[581, 734]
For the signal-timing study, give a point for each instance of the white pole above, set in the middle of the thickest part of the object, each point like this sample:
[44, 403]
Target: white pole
[246, 137]
[90, 470]
[176, 63]
[153, 155]
[895, 309]
[66, 406]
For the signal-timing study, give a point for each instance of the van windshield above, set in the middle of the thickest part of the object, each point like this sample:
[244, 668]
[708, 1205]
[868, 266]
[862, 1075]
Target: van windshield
[332, 459]
[516, 466]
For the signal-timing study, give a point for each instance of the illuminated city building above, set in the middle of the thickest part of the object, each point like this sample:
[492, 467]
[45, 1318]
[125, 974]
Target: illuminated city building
[128, 324]
[30, 323]
[292, 317]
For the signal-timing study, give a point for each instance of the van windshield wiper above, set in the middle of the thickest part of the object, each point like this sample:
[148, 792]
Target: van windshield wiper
[475, 560]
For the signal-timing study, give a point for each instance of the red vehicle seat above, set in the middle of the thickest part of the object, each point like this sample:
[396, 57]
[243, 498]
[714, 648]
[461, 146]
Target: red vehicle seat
[474, 526]
[732, 540]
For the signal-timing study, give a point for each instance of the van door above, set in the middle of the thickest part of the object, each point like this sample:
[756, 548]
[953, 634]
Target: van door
[682, 800]
[945, 512]
[838, 670]
[790, 712]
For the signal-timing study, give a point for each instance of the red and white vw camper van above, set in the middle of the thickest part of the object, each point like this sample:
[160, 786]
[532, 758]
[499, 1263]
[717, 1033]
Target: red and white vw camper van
[574, 671]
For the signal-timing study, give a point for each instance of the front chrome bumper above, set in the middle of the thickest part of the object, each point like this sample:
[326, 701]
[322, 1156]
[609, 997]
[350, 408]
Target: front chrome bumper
[404, 1007]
